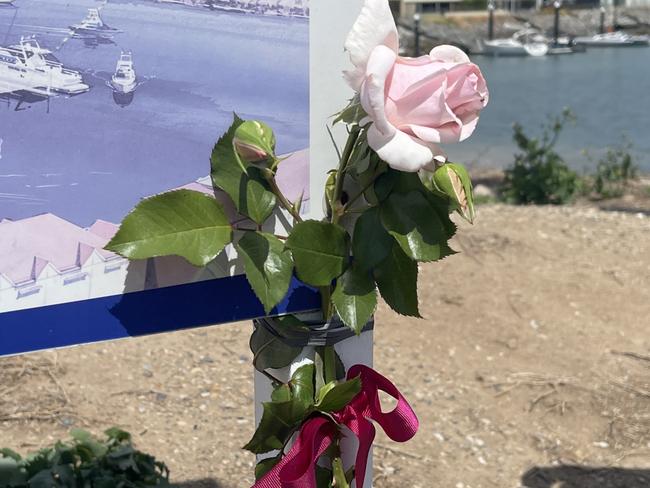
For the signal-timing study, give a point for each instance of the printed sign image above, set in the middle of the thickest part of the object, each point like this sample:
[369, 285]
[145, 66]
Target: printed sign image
[105, 103]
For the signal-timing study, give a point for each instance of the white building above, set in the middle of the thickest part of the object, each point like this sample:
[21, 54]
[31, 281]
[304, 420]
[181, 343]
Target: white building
[46, 260]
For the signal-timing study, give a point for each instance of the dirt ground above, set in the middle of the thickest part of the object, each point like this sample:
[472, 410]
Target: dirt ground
[531, 369]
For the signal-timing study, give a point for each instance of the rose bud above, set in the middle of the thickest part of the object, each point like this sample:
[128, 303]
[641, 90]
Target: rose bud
[454, 181]
[254, 141]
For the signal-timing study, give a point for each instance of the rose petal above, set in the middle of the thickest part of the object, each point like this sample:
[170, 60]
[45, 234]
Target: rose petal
[448, 54]
[373, 93]
[375, 26]
[401, 151]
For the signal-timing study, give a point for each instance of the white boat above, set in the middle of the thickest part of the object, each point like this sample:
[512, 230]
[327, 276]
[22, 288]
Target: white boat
[29, 67]
[613, 39]
[124, 80]
[6, 2]
[93, 25]
[527, 42]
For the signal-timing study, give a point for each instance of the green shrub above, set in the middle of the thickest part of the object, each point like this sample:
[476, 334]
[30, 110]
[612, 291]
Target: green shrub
[539, 175]
[614, 171]
[84, 462]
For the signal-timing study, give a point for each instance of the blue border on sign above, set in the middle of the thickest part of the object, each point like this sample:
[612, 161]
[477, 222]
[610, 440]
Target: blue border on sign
[143, 313]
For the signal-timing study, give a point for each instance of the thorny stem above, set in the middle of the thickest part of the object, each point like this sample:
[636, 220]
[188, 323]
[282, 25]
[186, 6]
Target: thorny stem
[270, 178]
[340, 177]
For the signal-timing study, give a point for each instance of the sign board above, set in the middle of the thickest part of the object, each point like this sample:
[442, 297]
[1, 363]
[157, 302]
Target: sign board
[102, 105]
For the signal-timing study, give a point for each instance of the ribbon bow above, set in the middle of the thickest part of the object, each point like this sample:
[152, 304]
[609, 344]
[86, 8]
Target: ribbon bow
[297, 467]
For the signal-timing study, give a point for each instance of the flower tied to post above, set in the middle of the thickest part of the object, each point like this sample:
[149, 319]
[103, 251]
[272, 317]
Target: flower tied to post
[414, 104]
[297, 469]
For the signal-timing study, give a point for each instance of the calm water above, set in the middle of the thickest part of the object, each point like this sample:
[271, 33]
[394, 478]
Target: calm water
[90, 157]
[607, 89]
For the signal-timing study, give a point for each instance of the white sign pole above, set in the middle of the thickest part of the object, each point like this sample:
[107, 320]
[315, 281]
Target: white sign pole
[330, 21]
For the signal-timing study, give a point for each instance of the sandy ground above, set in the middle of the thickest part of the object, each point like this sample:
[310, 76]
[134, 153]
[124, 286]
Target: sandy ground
[532, 368]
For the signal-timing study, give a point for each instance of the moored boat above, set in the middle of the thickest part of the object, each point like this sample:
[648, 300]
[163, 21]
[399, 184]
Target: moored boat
[527, 42]
[93, 25]
[124, 80]
[613, 39]
[29, 67]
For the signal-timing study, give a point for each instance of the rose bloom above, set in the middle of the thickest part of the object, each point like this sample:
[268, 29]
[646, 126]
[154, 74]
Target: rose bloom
[413, 103]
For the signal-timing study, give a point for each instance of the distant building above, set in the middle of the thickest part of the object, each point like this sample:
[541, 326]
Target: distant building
[407, 8]
[46, 260]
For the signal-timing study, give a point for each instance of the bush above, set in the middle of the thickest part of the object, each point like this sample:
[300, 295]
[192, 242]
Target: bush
[84, 462]
[614, 171]
[539, 175]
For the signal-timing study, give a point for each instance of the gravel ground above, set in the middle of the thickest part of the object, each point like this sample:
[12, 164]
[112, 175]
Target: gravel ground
[530, 369]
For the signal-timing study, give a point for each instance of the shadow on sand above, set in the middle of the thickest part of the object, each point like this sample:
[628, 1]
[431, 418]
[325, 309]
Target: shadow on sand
[585, 477]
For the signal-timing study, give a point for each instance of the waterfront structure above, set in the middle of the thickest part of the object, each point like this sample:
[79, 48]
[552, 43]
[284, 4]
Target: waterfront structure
[45, 260]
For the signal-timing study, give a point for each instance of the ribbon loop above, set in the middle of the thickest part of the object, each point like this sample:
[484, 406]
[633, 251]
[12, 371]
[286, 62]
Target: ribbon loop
[297, 469]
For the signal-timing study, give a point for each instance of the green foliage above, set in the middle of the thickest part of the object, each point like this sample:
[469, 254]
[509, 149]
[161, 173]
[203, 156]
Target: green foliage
[614, 171]
[321, 251]
[293, 402]
[355, 298]
[397, 279]
[272, 350]
[183, 223]
[268, 266]
[84, 462]
[414, 224]
[539, 174]
[244, 183]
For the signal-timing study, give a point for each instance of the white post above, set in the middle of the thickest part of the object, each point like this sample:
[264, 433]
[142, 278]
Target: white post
[330, 21]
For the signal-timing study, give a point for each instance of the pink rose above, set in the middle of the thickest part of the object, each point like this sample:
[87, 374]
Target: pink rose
[413, 103]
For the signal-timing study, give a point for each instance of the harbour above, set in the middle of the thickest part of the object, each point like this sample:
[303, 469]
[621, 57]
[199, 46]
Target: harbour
[134, 109]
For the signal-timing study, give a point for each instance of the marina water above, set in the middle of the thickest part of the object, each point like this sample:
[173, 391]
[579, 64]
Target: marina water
[95, 155]
[606, 88]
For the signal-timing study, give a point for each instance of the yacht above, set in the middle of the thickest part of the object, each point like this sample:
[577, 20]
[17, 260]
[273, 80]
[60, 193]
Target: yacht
[613, 39]
[29, 67]
[527, 42]
[124, 79]
[93, 25]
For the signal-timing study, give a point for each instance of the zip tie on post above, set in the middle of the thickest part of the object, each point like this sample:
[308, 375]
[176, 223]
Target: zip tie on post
[320, 333]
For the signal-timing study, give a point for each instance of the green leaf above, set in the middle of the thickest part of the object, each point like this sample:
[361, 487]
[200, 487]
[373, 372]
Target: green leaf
[302, 385]
[415, 225]
[355, 298]
[268, 267]
[397, 278]
[340, 480]
[270, 351]
[248, 189]
[8, 453]
[266, 465]
[11, 473]
[118, 435]
[320, 250]
[351, 114]
[371, 244]
[334, 396]
[280, 419]
[183, 223]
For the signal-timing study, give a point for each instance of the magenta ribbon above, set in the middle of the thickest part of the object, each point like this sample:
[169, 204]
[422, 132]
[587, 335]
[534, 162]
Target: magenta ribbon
[297, 469]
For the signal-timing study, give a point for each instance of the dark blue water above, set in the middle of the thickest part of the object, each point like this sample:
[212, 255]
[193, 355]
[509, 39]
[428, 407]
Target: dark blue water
[607, 89]
[90, 157]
